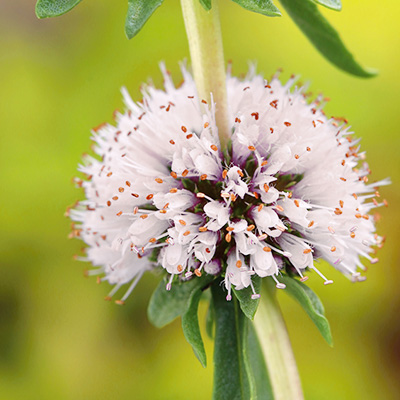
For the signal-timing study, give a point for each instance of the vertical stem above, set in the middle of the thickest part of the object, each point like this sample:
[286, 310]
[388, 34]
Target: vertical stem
[203, 30]
[277, 350]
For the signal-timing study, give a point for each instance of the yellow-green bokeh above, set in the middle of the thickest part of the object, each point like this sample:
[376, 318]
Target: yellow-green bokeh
[61, 77]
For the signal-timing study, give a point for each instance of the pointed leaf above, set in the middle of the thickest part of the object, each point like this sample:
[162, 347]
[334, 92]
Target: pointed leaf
[311, 304]
[264, 7]
[247, 304]
[165, 306]
[210, 320]
[323, 36]
[232, 378]
[331, 4]
[258, 366]
[139, 11]
[191, 329]
[54, 8]
[206, 4]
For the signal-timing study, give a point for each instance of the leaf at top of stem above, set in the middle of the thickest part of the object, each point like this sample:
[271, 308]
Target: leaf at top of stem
[324, 37]
[191, 329]
[264, 7]
[331, 4]
[54, 8]
[206, 4]
[139, 11]
[232, 375]
[311, 304]
[165, 306]
[247, 304]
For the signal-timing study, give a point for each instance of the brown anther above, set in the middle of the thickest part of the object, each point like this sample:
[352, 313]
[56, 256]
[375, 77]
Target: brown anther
[163, 211]
[238, 263]
[119, 214]
[341, 203]
[306, 251]
[251, 148]
[184, 129]
[338, 211]
[343, 179]
[173, 190]
[172, 142]
[179, 268]
[358, 215]
[365, 216]
[182, 222]
[238, 120]
[352, 235]
[121, 189]
[250, 227]
[240, 173]
[264, 163]
[144, 216]
[266, 187]
[274, 104]
[296, 156]
[228, 237]
[233, 197]
[214, 147]
[149, 197]
[107, 298]
[267, 249]
[375, 202]
[377, 194]
[203, 177]
[279, 208]
[365, 179]
[314, 124]
[297, 203]
[185, 172]
[287, 123]
[256, 195]
[115, 198]
[333, 248]
[311, 224]
[174, 174]
[166, 206]
[271, 130]
[230, 229]
[152, 240]
[290, 195]
[204, 102]
[224, 173]
[119, 302]
[186, 233]
[104, 237]
[128, 183]
[109, 203]
[159, 180]
[197, 272]
[385, 203]
[355, 196]
[135, 195]
[206, 125]
[135, 210]
[255, 115]
[308, 148]
[208, 250]
[343, 162]
[109, 174]
[260, 207]
[203, 229]
[189, 136]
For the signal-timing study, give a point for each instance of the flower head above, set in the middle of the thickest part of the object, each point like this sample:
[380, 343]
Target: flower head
[291, 188]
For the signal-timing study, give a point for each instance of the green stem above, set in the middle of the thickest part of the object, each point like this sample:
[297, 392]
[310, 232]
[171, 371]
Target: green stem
[277, 350]
[206, 51]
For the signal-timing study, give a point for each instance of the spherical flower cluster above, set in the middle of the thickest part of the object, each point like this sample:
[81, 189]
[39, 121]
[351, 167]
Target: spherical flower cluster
[290, 189]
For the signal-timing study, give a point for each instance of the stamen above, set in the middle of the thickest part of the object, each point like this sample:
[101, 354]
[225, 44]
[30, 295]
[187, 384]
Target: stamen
[327, 281]
[278, 285]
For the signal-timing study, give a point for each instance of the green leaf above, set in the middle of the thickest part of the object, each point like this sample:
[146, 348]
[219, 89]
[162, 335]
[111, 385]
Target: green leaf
[232, 378]
[323, 36]
[54, 8]
[191, 329]
[139, 11]
[165, 306]
[264, 7]
[210, 320]
[258, 367]
[247, 304]
[206, 4]
[331, 4]
[311, 304]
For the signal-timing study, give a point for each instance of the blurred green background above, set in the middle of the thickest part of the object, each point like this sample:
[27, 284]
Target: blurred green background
[61, 77]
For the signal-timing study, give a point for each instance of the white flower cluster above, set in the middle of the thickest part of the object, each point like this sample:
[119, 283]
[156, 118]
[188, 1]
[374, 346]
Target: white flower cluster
[291, 188]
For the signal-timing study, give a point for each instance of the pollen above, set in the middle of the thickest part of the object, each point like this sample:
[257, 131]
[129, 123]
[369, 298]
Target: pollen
[214, 147]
